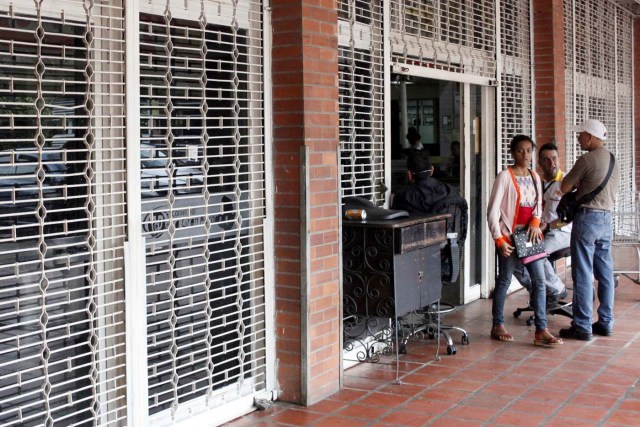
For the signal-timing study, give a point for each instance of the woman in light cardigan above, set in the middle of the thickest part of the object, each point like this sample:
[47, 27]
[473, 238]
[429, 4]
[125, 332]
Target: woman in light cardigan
[516, 202]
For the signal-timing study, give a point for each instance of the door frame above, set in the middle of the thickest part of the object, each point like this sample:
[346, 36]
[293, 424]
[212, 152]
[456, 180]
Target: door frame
[470, 291]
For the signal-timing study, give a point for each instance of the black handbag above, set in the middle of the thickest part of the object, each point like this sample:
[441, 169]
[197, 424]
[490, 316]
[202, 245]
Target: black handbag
[569, 203]
[568, 206]
[526, 250]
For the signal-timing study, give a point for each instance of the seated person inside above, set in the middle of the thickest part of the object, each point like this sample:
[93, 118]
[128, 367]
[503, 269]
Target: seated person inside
[557, 235]
[453, 167]
[414, 145]
[424, 192]
[427, 195]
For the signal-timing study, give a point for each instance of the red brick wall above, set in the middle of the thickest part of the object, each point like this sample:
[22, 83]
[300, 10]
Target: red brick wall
[548, 45]
[305, 131]
[636, 95]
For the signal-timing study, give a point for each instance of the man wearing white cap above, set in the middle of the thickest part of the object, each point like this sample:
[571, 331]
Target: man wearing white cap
[591, 234]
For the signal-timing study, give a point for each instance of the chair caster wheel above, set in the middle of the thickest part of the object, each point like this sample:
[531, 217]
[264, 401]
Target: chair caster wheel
[465, 339]
[451, 350]
[517, 313]
[529, 322]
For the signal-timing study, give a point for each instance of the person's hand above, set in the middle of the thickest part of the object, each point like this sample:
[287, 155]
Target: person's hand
[506, 249]
[535, 234]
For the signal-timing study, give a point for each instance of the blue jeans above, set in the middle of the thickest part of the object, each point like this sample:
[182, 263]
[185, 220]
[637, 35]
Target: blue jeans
[591, 256]
[538, 293]
[552, 283]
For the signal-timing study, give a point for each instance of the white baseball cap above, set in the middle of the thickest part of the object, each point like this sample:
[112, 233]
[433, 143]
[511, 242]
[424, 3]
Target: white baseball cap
[593, 127]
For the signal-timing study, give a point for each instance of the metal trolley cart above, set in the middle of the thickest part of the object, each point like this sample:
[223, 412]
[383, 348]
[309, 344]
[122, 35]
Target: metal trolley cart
[626, 233]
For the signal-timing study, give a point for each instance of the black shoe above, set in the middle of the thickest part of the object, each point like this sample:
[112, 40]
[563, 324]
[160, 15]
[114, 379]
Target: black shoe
[597, 328]
[573, 333]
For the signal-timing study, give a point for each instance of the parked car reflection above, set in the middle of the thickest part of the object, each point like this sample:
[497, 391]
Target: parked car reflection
[50, 187]
[32, 189]
[156, 170]
[19, 176]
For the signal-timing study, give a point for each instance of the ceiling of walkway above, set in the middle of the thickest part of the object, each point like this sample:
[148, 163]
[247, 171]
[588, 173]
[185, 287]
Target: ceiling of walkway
[632, 5]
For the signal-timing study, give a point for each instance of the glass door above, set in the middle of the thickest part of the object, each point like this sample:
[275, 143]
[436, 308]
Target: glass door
[455, 121]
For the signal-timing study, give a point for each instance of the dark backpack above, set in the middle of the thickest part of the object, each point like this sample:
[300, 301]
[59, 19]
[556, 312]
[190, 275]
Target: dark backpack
[458, 208]
[457, 225]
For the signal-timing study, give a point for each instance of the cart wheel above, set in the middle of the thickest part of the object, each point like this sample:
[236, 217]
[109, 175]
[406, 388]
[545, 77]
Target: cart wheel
[451, 350]
[402, 349]
[465, 339]
[529, 322]
[517, 313]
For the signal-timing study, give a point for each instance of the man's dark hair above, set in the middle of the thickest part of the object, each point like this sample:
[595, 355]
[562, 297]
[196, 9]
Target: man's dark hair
[417, 163]
[549, 146]
[518, 139]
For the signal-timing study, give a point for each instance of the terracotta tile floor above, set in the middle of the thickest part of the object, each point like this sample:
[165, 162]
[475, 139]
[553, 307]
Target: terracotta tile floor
[488, 383]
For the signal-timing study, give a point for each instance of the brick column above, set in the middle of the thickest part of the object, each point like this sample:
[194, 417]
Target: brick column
[305, 150]
[548, 58]
[636, 96]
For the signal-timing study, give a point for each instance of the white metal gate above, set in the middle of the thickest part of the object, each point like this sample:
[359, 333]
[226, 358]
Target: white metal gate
[361, 103]
[453, 36]
[515, 75]
[63, 208]
[62, 213]
[203, 203]
[599, 81]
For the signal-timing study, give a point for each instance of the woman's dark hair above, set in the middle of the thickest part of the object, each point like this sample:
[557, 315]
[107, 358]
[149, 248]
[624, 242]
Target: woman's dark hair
[517, 140]
[413, 136]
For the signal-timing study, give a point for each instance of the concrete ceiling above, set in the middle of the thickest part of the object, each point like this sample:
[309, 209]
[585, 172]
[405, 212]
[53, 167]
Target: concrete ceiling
[631, 5]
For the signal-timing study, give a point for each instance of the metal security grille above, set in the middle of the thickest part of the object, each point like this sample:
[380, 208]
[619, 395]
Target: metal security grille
[515, 75]
[457, 36]
[598, 63]
[203, 196]
[361, 99]
[62, 216]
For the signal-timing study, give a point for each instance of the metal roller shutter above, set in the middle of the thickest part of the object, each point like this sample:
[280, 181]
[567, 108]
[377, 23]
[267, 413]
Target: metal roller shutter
[62, 214]
[361, 103]
[203, 197]
[63, 208]
[515, 75]
[456, 36]
[598, 62]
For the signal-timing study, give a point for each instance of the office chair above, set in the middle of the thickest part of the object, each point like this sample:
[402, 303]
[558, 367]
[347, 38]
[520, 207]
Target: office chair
[562, 308]
[451, 253]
